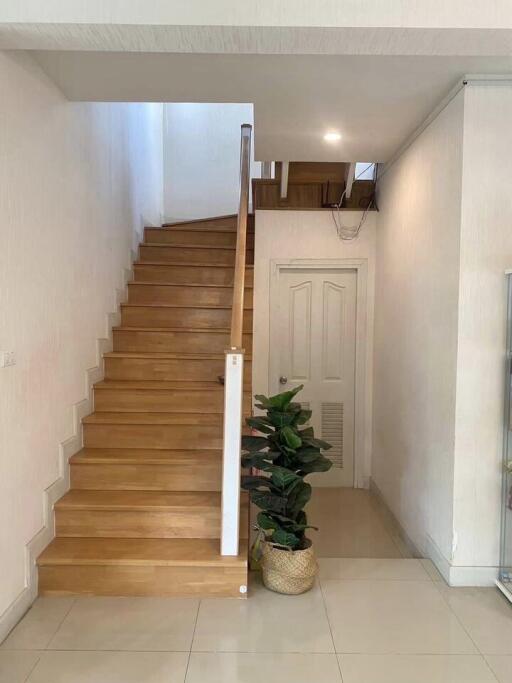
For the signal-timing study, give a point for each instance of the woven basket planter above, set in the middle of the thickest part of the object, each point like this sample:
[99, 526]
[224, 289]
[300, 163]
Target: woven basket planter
[288, 571]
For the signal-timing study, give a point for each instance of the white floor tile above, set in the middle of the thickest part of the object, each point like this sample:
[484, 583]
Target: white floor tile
[38, 626]
[16, 665]
[415, 669]
[144, 624]
[372, 569]
[502, 667]
[432, 570]
[110, 667]
[350, 525]
[486, 615]
[266, 622]
[392, 617]
[254, 668]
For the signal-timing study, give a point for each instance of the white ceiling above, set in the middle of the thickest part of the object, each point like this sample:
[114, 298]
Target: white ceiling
[375, 102]
[371, 69]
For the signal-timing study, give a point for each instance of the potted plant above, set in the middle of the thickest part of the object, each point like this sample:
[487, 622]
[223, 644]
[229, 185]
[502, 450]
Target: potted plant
[284, 454]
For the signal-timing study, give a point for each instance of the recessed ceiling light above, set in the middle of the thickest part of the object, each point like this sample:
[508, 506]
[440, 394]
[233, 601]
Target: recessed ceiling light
[332, 136]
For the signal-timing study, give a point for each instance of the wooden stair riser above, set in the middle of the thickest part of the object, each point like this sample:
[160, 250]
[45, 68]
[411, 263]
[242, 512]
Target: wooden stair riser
[187, 254]
[184, 522]
[167, 316]
[163, 341]
[144, 581]
[188, 275]
[219, 223]
[205, 476]
[180, 295]
[152, 436]
[162, 401]
[176, 523]
[199, 237]
[168, 369]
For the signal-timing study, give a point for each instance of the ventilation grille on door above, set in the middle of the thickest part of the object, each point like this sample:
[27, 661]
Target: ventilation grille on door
[332, 432]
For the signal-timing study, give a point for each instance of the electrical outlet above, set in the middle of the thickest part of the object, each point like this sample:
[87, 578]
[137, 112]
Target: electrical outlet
[7, 359]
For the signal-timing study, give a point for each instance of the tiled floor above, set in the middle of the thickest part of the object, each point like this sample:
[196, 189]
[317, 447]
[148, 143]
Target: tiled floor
[352, 524]
[368, 620]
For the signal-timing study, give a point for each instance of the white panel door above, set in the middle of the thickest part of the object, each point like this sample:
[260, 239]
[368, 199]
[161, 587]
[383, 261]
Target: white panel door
[314, 344]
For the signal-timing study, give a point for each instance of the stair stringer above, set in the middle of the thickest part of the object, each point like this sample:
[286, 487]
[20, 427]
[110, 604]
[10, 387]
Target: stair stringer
[67, 448]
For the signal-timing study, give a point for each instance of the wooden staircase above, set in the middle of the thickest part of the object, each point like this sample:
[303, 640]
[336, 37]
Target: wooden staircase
[143, 513]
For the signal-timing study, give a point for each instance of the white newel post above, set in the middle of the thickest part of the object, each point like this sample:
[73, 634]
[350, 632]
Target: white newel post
[231, 464]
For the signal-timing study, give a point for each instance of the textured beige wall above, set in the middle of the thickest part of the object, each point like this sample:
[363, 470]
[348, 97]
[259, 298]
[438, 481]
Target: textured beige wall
[416, 303]
[77, 181]
[486, 252]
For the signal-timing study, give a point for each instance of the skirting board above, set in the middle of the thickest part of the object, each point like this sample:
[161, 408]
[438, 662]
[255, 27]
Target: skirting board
[60, 486]
[459, 576]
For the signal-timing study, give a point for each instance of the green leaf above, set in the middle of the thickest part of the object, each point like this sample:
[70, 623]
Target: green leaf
[260, 461]
[321, 464]
[291, 438]
[269, 501]
[302, 417]
[266, 522]
[307, 454]
[283, 477]
[318, 443]
[285, 539]
[297, 499]
[254, 443]
[261, 424]
[280, 401]
[280, 419]
[250, 482]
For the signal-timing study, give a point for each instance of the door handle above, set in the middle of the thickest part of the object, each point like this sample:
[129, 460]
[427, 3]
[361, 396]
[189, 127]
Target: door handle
[283, 380]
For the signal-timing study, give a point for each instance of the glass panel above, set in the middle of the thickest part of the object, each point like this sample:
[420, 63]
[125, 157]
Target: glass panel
[506, 519]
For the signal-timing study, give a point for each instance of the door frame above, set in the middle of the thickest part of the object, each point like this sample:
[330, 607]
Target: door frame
[360, 266]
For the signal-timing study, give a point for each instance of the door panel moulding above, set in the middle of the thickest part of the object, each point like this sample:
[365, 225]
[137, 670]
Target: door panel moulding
[361, 419]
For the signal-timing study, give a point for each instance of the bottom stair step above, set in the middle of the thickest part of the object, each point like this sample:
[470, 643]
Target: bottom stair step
[144, 567]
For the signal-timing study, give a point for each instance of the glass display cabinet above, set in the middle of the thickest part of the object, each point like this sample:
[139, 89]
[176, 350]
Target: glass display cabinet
[505, 572]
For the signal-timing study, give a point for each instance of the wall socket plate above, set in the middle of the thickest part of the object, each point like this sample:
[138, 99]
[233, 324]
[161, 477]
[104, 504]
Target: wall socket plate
[7, 358]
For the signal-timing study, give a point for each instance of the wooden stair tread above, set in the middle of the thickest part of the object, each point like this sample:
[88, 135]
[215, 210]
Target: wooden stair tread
[157, 355]
[194, 307]
[197, 285]
[160, 385]
[145, 456]
[140, 551]
[188, 264]
[184, 245]
[185, 330]
[130, 418]
[141, 501]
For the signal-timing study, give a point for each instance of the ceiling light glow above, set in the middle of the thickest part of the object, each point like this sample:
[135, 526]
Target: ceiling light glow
[332, 136]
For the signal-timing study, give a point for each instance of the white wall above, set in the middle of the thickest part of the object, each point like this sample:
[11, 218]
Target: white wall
[444, 243]
[77, 183]
[486, 252]
[308, 235]
[202, 159]
[416, 303]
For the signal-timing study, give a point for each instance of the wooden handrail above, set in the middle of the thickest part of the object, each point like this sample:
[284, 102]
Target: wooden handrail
[237, 312]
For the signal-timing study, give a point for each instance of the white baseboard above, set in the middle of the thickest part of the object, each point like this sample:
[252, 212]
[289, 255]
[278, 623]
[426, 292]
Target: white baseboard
[60, 486]
[459, 576]
[433, 553]
[473, 576]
